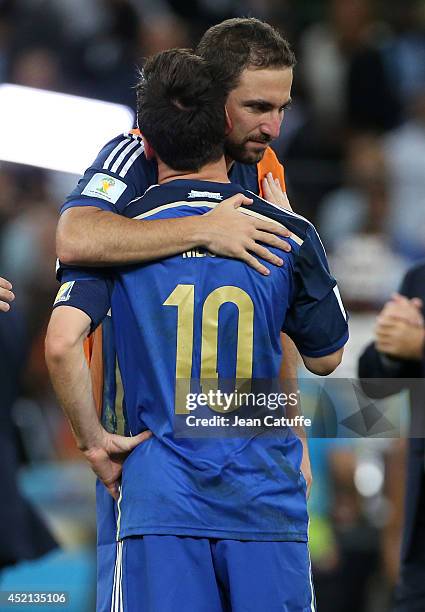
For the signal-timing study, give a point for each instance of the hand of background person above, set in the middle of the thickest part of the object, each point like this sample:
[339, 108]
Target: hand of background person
[400, 331]
[6, 295]
[273, 192]
[405, 309]
[234, 234]
[106, 460]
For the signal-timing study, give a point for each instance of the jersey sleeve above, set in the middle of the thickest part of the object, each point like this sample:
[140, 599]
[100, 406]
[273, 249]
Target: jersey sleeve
[270, 163]
[316, 320]
[89, 291]
[119, 174]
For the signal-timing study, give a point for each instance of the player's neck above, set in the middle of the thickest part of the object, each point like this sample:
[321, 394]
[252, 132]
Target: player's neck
[216, 172]
[229, 163]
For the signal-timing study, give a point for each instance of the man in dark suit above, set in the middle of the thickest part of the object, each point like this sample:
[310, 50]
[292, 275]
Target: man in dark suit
[398, 354]
[23, 534]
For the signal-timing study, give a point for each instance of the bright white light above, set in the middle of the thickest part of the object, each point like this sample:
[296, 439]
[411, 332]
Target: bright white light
[56, 131]
[368, 478]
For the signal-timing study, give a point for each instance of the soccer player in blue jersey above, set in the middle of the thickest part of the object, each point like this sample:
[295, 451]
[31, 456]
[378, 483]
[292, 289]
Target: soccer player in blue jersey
[203, 524]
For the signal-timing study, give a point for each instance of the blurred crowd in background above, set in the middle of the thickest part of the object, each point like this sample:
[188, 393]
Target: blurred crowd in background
[353, 147]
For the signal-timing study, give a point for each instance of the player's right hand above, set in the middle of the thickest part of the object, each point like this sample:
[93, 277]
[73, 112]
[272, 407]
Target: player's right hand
[231, 233]
[107, 458]
[6, 294]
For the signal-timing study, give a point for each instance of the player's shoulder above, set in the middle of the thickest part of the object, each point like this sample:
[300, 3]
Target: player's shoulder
[300, 227]
[119, 155]
[119, 174]
[414, 280]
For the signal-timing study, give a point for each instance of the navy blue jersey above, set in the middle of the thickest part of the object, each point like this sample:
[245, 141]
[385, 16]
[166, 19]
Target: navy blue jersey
[197, 316]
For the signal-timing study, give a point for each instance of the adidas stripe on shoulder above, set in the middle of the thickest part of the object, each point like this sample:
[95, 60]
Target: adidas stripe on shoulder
[127, 149]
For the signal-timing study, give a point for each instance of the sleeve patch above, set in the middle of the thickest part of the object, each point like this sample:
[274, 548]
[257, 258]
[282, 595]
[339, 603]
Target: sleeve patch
[105, 187]
[64, 292]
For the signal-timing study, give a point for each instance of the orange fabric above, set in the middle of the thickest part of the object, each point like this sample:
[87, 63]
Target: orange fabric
[93, 353]
[136, 131]
[270, 163]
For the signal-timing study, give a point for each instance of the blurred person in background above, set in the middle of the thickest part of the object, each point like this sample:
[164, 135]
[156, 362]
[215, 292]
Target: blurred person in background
[345, 86]
[397, 354]
[352, 221]
[23, 534]
[405, 157]
[27, 248]
[404, 51]
[344, 70]
[27, 255]
[343, 535]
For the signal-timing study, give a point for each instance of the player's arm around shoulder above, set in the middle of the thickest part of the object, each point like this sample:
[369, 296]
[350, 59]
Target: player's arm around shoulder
[91, 233]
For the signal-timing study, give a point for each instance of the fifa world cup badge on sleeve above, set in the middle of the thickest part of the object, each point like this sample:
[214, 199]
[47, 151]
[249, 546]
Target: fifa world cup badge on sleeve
[64, 292]
[105, 187]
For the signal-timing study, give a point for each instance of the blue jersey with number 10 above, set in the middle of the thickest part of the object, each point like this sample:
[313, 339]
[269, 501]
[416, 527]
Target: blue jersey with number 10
[196, 316]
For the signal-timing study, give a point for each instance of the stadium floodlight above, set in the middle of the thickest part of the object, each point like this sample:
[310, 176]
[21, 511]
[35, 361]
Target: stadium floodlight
[54, 130]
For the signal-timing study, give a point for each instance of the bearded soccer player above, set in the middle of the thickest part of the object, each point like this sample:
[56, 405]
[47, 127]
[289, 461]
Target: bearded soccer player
[204, 524]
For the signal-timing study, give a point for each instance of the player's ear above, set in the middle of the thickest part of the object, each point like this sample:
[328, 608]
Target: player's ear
[229, 124]
[149, 152]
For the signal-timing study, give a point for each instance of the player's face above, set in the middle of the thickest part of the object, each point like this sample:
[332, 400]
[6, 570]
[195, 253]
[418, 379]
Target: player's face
[255, 109]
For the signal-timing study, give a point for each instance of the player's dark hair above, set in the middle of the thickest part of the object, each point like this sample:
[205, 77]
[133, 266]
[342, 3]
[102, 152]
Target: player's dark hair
[236, 44]
[180, 109]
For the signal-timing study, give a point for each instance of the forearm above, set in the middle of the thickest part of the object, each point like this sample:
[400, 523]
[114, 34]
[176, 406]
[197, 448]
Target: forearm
[392, 375]
[104, 238]
[322, 366]
[289, 380]
[71, 381]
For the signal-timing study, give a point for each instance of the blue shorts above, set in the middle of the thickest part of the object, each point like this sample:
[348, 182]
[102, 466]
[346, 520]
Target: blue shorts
[182, 574]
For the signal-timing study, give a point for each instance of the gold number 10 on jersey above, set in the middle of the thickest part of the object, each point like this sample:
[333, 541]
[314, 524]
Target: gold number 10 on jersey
[183, 297]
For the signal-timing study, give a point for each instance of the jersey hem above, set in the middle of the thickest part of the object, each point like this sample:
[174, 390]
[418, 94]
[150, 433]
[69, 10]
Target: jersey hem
[88, 201]
[329, 350]
[215, 533]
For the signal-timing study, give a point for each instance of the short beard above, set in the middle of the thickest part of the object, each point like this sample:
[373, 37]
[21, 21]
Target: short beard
[239, 153]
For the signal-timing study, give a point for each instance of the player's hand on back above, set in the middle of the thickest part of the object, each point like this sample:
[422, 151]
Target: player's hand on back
[6, 295]
[273, 192]
[106, 459]
[234, 234]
